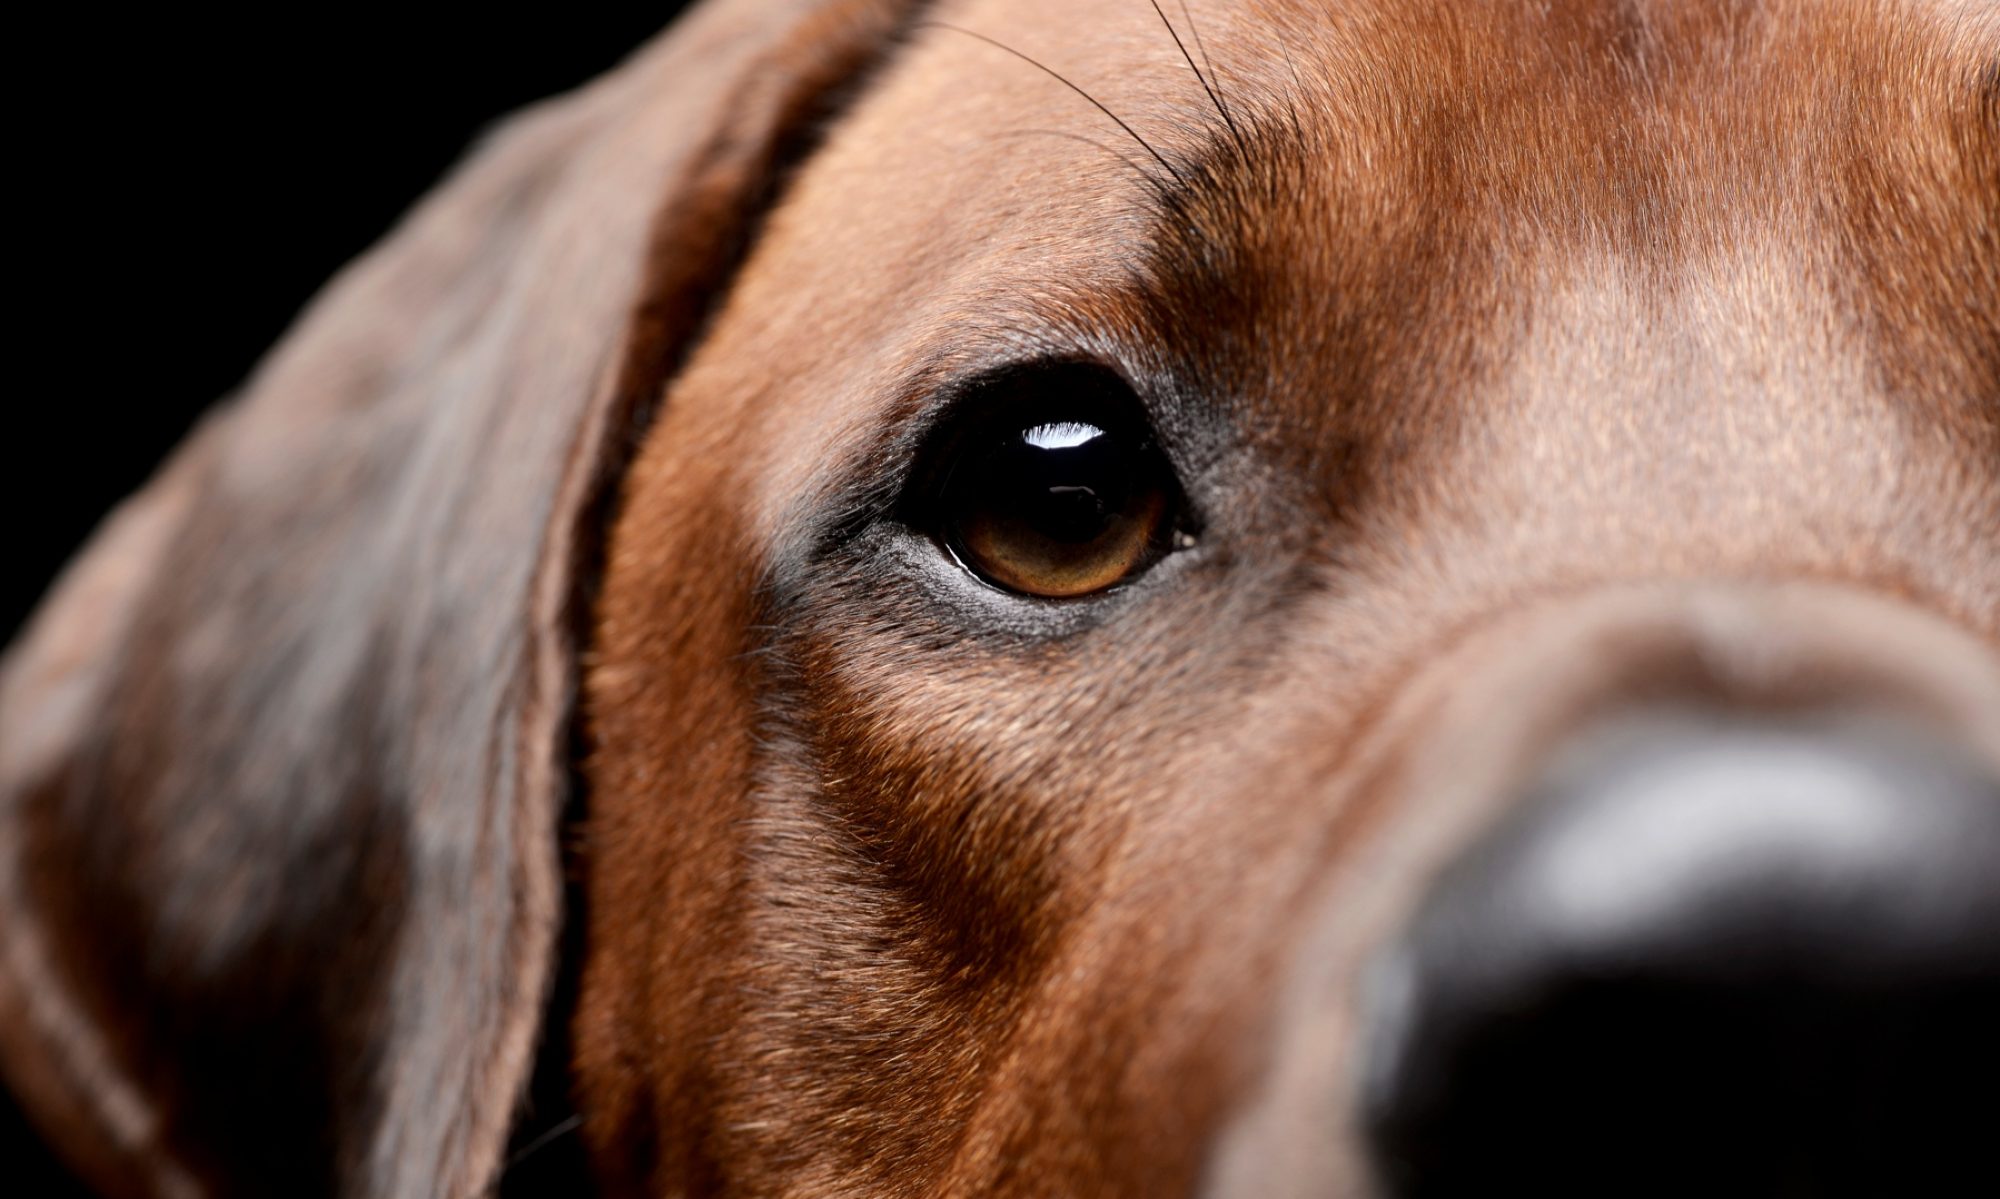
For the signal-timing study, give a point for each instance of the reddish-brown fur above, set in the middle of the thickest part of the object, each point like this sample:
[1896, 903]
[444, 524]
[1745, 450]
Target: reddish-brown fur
[1528, 357]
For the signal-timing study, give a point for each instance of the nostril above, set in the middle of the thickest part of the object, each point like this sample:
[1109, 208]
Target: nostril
[1705, 958]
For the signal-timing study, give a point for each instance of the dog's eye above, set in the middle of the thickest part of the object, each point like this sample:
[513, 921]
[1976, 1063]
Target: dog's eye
[1061, 491]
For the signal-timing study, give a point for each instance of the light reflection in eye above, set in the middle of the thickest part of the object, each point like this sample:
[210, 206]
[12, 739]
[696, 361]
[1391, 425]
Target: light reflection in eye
[1061, 435]
[1057, 490]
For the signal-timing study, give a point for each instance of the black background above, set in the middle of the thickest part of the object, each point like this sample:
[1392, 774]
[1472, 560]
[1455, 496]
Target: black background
[190, 181]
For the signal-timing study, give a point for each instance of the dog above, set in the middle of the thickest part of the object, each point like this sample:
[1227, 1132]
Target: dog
[990, 597]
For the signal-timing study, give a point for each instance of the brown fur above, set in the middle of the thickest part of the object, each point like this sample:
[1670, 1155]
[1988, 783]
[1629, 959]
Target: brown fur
[1519, 359]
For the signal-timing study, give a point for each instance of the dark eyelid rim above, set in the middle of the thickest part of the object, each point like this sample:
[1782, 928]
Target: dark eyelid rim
[885, 482]
[974, 411]
[861, 511]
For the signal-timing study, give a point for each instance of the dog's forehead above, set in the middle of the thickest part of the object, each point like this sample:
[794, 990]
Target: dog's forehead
[1414, 202]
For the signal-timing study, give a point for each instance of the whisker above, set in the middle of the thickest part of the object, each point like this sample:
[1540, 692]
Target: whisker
[1137, 169]
[1202, 49]
[549, 1136]
[1057, 76]
[1199, 77]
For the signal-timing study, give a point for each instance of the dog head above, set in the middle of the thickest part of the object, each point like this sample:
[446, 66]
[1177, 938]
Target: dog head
[1248, 599]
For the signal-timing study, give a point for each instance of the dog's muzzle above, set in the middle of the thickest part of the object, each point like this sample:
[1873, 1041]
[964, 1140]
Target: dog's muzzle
[1706, 951]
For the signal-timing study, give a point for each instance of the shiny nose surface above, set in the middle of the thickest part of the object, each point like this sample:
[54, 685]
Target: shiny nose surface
[1702, 958]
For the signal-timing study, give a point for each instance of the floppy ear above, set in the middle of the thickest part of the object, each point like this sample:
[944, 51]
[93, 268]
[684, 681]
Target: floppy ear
[282, 759]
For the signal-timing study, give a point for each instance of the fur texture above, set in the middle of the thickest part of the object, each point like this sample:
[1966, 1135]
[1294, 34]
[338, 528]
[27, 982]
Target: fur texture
[1517, 359]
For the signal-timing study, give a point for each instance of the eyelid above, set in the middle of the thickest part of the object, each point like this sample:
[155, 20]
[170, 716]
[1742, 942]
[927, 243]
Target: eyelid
[1052, 407]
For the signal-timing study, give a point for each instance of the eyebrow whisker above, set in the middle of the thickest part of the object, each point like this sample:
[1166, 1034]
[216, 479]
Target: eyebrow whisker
[1137, 168]
[1206, 86]
[1058, 77]
[1202, 49]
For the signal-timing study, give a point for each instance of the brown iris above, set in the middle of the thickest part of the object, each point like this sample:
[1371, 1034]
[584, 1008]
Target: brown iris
[1059, 507]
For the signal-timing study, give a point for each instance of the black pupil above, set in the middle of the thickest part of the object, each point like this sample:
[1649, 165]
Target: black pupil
[1066, 481]
[1058, 490]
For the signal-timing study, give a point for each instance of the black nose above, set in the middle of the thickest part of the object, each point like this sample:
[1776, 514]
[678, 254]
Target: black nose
[1703, 959]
